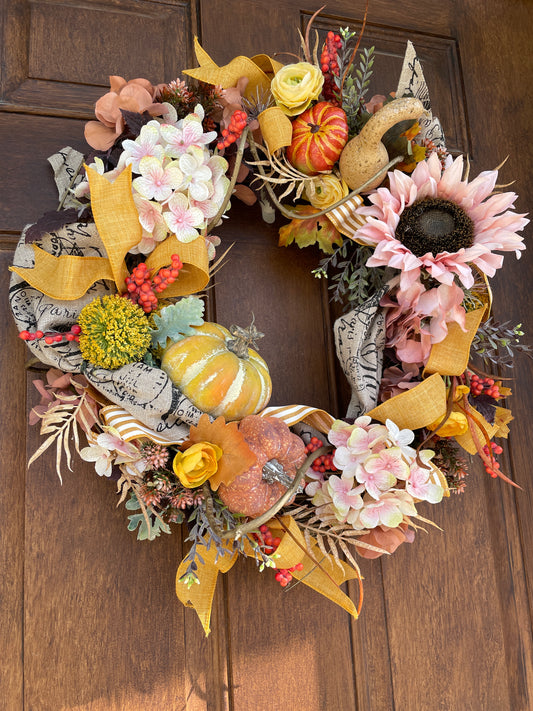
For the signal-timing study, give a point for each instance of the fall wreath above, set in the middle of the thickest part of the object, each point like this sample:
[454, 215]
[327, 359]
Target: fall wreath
[174, 408]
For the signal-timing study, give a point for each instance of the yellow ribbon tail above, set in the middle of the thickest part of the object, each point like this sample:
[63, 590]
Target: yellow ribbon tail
[276, 128]
[116, 219]
[451, 356]
[256, 69]
[65, 278]
[200, 595]
[415, 408]
[326, 577]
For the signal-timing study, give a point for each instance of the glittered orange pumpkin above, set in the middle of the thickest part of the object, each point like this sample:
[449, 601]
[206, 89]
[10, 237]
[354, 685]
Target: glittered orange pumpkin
[279, 454]
[218, 372]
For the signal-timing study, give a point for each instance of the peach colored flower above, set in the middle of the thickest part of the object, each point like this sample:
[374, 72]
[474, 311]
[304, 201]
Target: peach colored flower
[134, 95]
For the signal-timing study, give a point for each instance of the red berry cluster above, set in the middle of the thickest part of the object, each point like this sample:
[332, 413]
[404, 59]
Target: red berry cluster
[266, 539]
[323, 463]
[52, 336]
[237, 124]
[493, 468]
[484, 386]
[330, 67]
[142, 287]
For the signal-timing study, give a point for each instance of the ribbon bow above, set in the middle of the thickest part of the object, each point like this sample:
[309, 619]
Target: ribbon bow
[67, 278]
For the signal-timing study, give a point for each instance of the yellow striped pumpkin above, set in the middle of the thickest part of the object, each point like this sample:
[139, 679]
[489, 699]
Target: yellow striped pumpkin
[217, 373]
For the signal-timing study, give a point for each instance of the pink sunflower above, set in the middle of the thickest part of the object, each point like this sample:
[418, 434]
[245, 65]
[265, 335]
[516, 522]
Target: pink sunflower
[433, 220]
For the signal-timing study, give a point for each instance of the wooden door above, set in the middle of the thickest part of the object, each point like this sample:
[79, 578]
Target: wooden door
[88, 618]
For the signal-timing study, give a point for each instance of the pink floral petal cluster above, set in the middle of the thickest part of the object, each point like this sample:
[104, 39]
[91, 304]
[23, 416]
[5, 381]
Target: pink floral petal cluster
[109, 448]
[381, 477]
[495, 223]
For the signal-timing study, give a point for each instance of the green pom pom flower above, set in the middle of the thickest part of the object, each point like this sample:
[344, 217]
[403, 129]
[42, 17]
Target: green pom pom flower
[115, 332]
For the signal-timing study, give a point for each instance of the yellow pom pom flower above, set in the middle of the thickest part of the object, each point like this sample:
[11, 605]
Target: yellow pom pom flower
[114, 332]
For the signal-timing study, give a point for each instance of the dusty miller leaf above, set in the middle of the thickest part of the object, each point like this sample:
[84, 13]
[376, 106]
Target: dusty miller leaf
[176, 321]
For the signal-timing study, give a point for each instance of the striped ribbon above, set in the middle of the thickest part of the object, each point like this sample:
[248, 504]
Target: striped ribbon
[345, 218]
[130, 428]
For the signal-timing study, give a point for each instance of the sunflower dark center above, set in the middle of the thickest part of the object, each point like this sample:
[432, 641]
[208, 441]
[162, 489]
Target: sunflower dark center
[435, 225]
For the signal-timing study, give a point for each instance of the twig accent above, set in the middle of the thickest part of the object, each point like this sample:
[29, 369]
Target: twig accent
[295, 215]
[254, 524]
[229, 192]
[349, 64]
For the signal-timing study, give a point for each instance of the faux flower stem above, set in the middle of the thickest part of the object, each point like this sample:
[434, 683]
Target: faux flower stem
[295, 215]
[229, 192]
[254, 524]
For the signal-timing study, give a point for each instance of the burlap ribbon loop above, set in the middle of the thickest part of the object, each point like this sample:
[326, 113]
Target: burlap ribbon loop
[68, 278]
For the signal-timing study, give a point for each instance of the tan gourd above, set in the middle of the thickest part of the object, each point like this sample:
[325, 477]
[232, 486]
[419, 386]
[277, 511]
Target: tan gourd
[365, 154]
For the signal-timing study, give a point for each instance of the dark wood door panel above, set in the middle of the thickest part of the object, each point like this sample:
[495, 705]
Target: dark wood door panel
[446, 622]
[58, 55]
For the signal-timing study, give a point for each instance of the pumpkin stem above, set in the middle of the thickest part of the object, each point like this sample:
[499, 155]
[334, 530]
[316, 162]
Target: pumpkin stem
[243, 338]
[274, 471]
[253, 524]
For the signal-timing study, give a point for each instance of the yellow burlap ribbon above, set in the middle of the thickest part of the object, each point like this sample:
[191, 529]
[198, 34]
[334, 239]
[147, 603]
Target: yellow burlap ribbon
[426, 403]
[259, 71]
[324, 578]
[451, 356]
[67, 278]
[414, 408]
[276, 127]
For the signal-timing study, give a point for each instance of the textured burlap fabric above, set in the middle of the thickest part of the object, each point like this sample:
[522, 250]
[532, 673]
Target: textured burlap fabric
[145, 392]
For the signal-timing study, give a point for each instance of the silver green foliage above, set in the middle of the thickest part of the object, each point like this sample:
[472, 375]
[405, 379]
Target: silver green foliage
[177, 320]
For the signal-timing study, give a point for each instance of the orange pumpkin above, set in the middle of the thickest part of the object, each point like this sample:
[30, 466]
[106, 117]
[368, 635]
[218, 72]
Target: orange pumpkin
[254, 491]
[218, 372]
[318, 137]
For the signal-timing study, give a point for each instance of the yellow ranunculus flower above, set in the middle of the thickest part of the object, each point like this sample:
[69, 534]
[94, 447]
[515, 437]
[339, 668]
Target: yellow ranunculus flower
[456, 424]
[197, 463]
[295, 85]
[326, 191]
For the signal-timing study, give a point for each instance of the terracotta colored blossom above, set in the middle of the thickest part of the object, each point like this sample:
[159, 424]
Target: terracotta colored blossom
[397, 380]
[388, 539]
[477, 223]
[134, 95]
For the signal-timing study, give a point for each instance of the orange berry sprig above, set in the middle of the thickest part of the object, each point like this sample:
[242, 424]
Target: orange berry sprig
[330, 67]
[52, 336]
[142, 287]
[325, 462]
[265, 538]
[484, 386]
[492, 469]
[237, 124]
